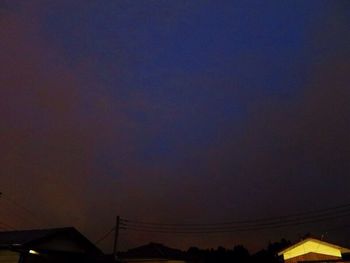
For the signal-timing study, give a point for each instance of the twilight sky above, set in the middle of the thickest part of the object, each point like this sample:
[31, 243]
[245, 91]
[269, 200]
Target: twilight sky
[174, 111]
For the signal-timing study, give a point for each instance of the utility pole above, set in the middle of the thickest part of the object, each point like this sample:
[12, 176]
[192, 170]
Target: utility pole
[116, 234]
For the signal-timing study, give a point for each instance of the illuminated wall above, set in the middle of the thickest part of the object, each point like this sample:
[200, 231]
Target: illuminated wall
[7, 256]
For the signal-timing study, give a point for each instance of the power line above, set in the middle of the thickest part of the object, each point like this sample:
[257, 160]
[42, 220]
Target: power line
[7, 227]
[252, 221]
[229, 230]
[14, 212]
[338, 228]
[105, 236]
[34, 218]
[238, 226]
[296, 219]
[234, 226]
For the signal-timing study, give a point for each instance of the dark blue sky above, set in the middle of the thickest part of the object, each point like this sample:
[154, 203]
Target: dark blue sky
[174, 107]
[168, 52]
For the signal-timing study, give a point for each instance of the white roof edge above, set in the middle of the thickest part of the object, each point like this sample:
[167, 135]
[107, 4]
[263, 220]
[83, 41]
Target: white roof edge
[342, 249]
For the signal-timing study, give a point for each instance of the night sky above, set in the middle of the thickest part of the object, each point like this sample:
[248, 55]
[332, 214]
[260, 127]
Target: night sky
[174, 111]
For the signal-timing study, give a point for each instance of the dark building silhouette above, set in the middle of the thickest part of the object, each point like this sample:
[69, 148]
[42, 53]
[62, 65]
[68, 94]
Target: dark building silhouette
[48, 245]
[153, 253]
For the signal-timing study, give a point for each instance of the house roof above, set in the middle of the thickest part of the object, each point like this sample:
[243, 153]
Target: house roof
[29, 238]
[312, 245]
[153, 250]
[23, 237]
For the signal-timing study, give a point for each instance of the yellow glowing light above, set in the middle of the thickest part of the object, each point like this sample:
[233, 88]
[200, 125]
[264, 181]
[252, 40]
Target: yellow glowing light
[33, 252]
[311, 246]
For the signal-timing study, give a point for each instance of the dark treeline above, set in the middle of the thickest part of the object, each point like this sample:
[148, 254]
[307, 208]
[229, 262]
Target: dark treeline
[237, 254]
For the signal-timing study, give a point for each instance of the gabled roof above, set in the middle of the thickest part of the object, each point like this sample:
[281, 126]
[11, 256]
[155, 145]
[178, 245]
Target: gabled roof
[30, 238]
[22, 237]
[312, 245]
[153, 250]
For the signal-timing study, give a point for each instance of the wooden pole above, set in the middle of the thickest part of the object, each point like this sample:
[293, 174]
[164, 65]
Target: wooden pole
[116, 234]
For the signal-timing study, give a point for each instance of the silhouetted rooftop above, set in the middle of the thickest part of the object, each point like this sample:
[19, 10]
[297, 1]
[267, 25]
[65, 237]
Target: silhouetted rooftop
[28, 238]
[22, 237]
[153, 250]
